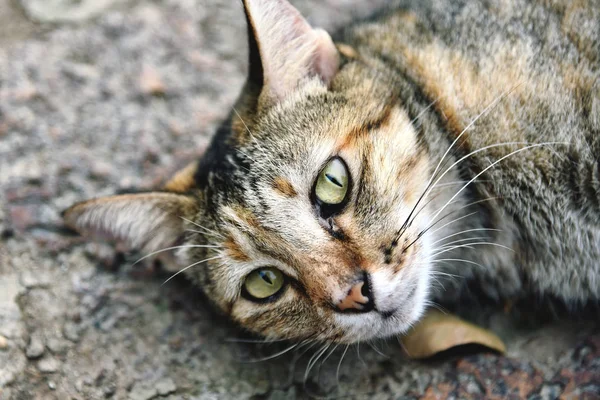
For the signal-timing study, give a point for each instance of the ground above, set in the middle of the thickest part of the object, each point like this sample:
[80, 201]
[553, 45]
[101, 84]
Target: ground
[120, 95]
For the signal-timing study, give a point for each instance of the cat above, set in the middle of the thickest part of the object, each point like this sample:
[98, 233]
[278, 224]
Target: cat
[441, 141]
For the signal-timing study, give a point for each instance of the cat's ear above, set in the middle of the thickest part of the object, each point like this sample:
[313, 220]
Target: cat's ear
[145, 221]
[284, 48]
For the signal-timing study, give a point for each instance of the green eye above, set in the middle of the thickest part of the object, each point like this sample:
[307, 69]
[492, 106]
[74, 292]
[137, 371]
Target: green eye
[332, 184]
[264, 282]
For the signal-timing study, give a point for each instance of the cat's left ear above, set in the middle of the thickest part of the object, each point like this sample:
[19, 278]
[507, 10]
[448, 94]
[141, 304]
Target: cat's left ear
[145, 221]
[285, 49]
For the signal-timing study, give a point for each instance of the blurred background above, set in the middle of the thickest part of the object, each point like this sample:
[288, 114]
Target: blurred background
[99, 96]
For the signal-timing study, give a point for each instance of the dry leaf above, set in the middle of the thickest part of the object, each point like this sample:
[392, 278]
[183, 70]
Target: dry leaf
[438, 332]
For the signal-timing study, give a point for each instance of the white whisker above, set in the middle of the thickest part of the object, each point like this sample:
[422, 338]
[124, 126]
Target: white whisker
[272, 356]
[187, 246]
[190, 266]
[202, 227]
[313, 360]
[463, 232]
[337, 371]
[445, 245]
[470, 244]
[491, 166]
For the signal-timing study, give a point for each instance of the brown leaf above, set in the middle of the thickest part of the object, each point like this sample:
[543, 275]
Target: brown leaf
[438, 332]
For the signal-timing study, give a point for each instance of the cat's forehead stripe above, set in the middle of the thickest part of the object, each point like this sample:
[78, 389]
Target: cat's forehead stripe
[284, 187]
[235, 251]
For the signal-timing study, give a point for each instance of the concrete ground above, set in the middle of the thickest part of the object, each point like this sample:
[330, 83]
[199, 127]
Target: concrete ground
[110, 95]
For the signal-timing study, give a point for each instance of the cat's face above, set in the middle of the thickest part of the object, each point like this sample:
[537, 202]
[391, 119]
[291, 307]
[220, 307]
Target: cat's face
[343, 268]
[301, 222]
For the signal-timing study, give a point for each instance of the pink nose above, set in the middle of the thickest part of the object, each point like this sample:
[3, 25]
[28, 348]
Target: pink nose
[358, 299]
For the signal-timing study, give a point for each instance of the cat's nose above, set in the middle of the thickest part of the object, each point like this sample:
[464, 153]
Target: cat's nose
[359, 297]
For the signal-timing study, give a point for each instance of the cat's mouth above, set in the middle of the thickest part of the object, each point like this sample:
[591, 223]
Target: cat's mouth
[388, 314]
[399, 303]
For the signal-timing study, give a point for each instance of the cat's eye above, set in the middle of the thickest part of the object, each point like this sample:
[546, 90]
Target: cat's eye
[332, 184]
[264, 283]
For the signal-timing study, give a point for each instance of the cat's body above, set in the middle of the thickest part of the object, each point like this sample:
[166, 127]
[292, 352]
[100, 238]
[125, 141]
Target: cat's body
[543, 59]
[406, 111]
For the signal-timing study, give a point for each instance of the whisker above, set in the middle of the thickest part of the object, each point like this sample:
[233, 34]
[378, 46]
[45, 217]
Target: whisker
[337, 371]
[256, 341]
[461, 240]
[329, 354]
[453, 183]
[461, 260]
[202, 227]
[358, 355]
[451, 222]
[272, 356]
[464, 231]
[471, 244]
[187, 246]
[440, 273]
[206, 234]
[486, 110]
[188, 267]
[372, 345]
[491, 166]
[433, 175]
[439, 307]
[428, 189]
[313, 360]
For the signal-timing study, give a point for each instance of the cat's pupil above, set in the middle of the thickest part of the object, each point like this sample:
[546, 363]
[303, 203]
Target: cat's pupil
[334, 181]
[265, 276]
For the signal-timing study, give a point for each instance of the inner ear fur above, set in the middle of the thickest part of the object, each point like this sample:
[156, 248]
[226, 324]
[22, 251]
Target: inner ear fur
[284, 49]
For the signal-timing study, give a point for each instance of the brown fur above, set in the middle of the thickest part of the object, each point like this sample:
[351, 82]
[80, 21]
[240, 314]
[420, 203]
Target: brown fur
[284, 187]
[417, 103]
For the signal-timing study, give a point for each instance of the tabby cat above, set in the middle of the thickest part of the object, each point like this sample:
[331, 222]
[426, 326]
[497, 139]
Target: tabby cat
[445, 141]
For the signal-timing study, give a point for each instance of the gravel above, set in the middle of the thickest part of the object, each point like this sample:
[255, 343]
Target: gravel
[122, 97]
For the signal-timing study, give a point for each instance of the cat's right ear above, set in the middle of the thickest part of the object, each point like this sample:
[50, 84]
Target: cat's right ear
[145, 221]
[284, 49]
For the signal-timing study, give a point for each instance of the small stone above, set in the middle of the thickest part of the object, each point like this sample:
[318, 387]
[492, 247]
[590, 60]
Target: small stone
[278, 394]
[140, 391]
[51, 385]
[71, 332]
[3, 342]
[65, 11]
[22, 216]
[165, 386]
[48, 365]
[31, 279]
[550, 392]
[56, 345]
[151, 82]
[35, 349]
[109, 390]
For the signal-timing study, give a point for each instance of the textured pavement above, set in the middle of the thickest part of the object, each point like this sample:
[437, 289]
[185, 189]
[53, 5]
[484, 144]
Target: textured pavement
[123, 100]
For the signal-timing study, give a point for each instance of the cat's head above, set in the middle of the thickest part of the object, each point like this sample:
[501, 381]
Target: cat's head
[300, 221]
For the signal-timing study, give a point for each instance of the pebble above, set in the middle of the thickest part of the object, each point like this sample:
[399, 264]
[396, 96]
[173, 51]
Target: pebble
[35, 349]
[165, 386]
[57, 346]
[151, 82]
[31, 279]
[3, 342]
[71, 331]
[48, 365]
[65, 11]
[141, 391]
